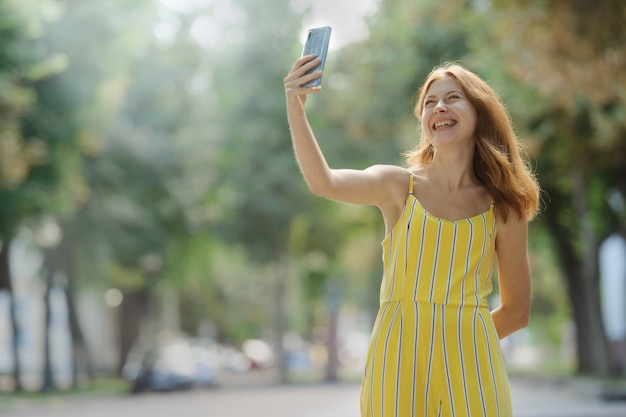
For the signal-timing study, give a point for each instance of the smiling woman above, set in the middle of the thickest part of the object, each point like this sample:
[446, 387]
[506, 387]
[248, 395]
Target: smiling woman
[459, 211]
[447, 114]
[497, 160]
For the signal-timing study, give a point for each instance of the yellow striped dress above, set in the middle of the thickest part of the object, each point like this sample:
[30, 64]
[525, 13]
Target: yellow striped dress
[434, 349]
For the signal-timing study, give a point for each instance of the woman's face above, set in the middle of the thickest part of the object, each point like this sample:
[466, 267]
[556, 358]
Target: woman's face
[447, 115]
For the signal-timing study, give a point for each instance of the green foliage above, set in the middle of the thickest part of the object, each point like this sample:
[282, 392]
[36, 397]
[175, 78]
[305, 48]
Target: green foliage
[258, 165]
[576, 89]
[20, 150]
[155, 133]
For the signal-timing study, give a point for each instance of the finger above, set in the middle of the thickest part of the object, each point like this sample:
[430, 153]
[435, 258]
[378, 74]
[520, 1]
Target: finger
[301, 61]
[298, 82]
[299, 89]
[304, 59]
[300, 76]
[304, 64]
[310, 64]
[309, 77]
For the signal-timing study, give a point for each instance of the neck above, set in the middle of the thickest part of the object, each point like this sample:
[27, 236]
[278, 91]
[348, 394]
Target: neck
[452, 171]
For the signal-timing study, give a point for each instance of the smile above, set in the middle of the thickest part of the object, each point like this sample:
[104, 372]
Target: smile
[443, 123]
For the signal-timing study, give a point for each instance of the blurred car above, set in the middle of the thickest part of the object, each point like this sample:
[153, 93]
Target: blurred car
[207, 362]
[234, 360]
[177, 364]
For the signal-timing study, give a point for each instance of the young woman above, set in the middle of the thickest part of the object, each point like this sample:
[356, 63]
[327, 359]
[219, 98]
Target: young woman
[458, 211]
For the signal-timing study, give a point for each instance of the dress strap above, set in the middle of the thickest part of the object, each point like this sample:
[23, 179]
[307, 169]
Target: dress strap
[410, 183]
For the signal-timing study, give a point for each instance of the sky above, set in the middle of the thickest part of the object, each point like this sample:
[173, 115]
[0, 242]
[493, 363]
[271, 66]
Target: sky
[346, 17]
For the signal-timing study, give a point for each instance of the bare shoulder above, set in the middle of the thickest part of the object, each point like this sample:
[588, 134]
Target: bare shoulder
[511, 233]
[395, 182]
[394, 178]
[388, 169]
[389, 172]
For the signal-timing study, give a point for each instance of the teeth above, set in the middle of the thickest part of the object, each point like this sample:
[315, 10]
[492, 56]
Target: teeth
[443, 123]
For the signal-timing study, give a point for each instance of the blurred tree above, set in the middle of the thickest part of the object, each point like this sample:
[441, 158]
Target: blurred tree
[257, 163]
[157, 141]
[572, 54]
[154, 168]
[72, 112]
[33, 175]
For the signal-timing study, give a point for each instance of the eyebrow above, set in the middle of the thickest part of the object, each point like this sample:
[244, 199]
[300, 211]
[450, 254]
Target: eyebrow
[446, 93]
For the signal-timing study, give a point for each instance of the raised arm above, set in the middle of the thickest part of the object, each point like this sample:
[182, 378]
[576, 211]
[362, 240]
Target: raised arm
[313, 165]
[370, 186]
[513, 276]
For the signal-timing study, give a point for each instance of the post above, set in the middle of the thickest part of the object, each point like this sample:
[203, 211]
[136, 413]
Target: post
[332, 299]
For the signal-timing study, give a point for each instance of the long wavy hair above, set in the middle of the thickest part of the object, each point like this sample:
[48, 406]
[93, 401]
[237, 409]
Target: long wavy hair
[498, 158]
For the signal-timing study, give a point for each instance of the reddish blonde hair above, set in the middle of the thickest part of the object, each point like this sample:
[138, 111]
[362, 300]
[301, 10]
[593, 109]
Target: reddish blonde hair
[498, 162]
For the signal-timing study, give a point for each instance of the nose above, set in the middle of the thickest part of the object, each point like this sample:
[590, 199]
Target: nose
[440, 106]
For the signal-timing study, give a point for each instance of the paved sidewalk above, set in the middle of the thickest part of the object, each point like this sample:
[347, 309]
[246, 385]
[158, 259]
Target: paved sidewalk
[532, 397]
[562, 397]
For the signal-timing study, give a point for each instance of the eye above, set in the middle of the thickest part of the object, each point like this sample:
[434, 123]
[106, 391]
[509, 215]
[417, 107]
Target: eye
[429, 103]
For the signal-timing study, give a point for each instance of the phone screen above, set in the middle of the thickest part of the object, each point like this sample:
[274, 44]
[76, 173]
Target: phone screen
[317, 44]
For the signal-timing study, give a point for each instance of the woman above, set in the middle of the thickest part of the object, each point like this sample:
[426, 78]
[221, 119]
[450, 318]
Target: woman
[460, 209]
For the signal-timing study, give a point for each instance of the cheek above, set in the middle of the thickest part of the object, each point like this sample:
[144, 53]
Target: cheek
[475, 121]
[474, 113]
[425, 132]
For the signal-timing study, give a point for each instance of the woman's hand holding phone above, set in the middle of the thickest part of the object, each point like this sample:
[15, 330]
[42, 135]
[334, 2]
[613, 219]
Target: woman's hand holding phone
[300, 75]
[305, 76]
[317, 42]
[303, 79]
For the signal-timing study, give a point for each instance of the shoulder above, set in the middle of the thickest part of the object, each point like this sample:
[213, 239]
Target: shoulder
[389, 171]
[394, 181]
[393, 177]
[511, 232]
[388, 175]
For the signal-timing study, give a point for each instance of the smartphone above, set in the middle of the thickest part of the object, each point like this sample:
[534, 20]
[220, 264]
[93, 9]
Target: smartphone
[317, 44]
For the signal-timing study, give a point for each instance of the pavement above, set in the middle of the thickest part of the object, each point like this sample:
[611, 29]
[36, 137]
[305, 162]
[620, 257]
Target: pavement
[532, 397]
[563, 397]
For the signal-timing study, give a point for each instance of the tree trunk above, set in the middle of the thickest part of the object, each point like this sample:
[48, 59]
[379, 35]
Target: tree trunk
[47, 384]
[619, 206]
[6, 284]
[131, 316]
[280, 314]
[81, 357]
[591, 342]
[332, 303]
[581, 276]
